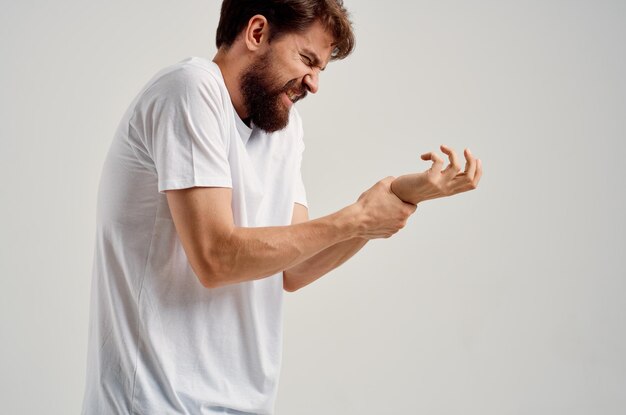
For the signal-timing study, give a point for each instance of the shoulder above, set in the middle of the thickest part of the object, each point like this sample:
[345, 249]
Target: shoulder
[190, 77]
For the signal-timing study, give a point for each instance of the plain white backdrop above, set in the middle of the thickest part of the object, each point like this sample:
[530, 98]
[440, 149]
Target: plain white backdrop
[510, 299]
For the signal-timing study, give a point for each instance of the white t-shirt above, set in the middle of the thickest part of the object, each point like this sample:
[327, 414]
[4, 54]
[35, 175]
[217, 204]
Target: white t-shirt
[159, 341]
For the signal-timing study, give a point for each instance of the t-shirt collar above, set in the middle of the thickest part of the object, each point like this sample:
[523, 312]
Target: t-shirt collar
[244, 131]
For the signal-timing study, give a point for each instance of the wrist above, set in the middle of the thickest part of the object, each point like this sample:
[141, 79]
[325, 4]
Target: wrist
[401, 191]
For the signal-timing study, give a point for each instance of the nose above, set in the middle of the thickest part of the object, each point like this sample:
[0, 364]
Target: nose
[311, 81]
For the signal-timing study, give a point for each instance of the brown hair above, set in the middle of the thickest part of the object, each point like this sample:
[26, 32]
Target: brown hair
[287, 16]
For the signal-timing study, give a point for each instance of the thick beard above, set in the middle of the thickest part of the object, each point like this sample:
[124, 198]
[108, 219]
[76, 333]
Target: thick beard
[262, 98]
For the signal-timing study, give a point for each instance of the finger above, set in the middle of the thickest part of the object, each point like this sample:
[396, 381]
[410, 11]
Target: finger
[479, 172]
[453, 168]
[437, 161]
[470, 165]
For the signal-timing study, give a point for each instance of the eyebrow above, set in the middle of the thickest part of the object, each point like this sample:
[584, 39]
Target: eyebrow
[314, 58]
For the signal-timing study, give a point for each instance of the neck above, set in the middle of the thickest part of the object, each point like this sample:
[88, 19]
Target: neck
[231, 63]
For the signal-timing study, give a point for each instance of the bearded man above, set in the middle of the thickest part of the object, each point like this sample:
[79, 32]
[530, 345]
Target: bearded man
[202, 219]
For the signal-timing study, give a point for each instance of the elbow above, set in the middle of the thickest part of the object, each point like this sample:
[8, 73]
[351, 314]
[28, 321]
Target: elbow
[209, 282]
[213, 259]
[214, 273]
[287, 284]
[289, 289]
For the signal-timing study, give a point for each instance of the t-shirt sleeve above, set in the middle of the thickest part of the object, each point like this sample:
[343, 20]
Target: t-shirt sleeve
[180, 119]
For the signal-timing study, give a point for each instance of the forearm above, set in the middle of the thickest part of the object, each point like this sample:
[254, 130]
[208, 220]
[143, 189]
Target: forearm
[221, 253]
[321, 263]
[252, 253]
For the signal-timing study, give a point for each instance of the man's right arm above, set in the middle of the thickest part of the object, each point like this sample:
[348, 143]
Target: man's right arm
[221, 253]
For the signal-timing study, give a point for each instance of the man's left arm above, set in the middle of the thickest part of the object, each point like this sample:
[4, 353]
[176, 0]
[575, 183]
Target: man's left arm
[321, 263]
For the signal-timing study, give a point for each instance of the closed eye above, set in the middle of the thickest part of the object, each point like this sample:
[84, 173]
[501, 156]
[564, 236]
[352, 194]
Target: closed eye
[307, 60]
[311, 59]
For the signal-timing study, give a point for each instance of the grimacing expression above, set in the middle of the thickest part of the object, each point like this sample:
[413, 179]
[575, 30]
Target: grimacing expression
[264, 96]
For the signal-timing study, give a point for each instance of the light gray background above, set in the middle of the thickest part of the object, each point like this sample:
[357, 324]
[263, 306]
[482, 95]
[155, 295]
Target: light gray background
[506, 300]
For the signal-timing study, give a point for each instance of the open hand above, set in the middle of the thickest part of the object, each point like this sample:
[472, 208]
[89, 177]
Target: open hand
[435, 182]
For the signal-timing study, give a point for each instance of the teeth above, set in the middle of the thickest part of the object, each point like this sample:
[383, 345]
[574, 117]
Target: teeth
[292, 96]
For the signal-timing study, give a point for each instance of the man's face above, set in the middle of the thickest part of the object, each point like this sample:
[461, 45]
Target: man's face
[283, 74]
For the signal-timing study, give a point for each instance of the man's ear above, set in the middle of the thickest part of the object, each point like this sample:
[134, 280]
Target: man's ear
[257, 32]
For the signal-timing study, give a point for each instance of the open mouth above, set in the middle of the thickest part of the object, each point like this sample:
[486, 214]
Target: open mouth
[294, 96]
